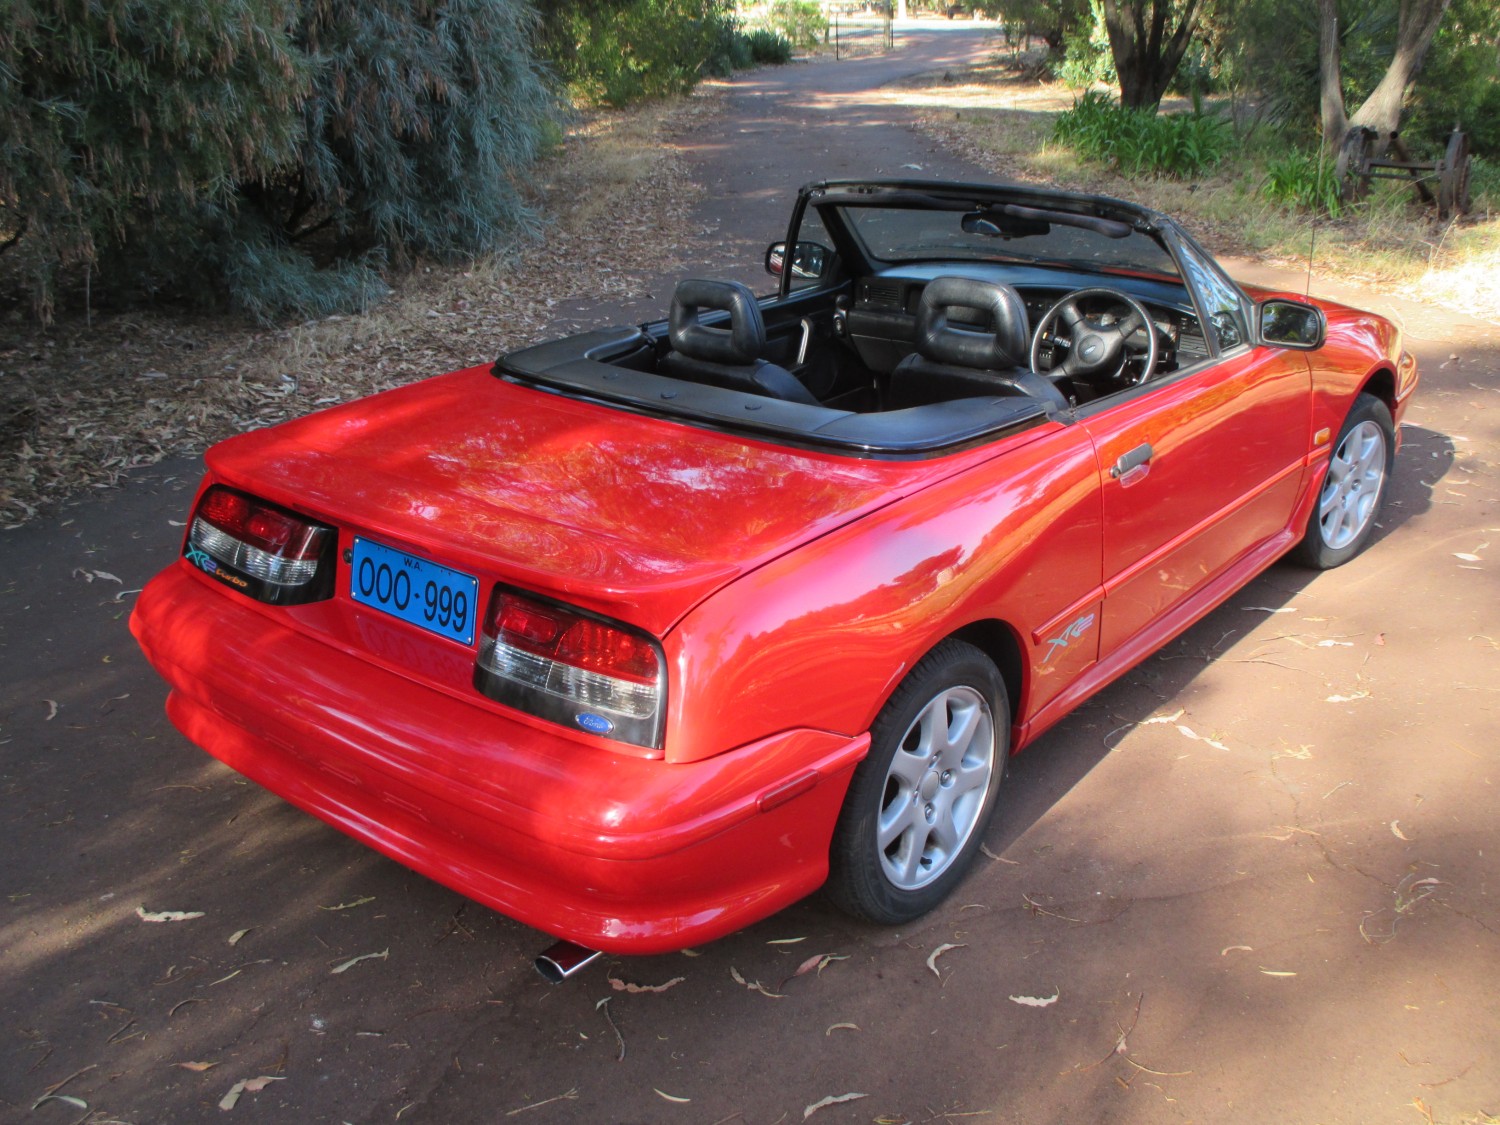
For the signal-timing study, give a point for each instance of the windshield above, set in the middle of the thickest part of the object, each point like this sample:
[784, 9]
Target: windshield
[898, 234]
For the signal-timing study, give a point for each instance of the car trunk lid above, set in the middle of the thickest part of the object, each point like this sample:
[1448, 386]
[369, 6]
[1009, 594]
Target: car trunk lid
[635, 517]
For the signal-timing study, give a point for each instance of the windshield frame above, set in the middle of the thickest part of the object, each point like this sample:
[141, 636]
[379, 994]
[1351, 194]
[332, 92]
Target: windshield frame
[1090, 226]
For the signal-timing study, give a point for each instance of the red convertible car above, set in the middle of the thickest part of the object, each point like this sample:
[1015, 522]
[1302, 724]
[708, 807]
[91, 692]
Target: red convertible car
[641, 635]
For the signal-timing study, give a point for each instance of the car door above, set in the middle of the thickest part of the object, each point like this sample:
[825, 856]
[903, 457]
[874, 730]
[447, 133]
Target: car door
[1196, 472]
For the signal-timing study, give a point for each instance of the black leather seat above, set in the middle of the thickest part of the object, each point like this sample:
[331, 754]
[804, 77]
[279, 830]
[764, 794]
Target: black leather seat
[956, 360]
[725, 357]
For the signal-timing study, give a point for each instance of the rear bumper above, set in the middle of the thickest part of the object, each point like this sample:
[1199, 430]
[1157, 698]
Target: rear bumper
[614, 852]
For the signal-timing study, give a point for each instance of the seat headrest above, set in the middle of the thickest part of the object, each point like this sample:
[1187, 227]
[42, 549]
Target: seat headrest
[1005, 344]
[741, 343]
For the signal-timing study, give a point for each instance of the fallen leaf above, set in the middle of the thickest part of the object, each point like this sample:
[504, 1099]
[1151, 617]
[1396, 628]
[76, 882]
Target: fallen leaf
[1164, 718]
[754, 985]
[51, 709]
[247, 1086]
[625, 986]
[76, 1103]
[167, 915]
[107, 576]
[234, 938]
[1188, 732]
[785, 940]
[350, 905]
[1232, 948]
[1267, 609]
[1466, 556]
[1277, 972]
[1347, 698]
[196, 1067]
[349, 964]
[1396, 831]
[831, 1099]
[819, 961]
[840, 1027]
[672, 1098]
[1335, 644]
[1037, 1001]
[938, 952]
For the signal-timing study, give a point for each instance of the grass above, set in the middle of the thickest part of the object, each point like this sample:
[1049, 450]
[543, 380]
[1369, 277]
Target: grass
[1004, 121]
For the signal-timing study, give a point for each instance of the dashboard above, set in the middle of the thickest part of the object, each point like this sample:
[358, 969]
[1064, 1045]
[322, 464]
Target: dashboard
[882, 322]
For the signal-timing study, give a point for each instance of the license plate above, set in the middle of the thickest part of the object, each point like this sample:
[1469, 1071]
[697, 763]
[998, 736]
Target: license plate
[415, 590]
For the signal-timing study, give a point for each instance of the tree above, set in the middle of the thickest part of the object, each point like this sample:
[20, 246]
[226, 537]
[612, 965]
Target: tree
[421, 117]
[275, 153]
[121, 113]
[1146, 53]
[1417, 23]
[1052, 21]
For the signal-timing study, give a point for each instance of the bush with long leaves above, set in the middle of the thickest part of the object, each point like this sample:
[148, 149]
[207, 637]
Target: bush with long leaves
[1141, 142]
[275, 153]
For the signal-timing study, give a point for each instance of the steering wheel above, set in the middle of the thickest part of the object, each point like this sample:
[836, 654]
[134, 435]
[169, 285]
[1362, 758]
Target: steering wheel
[1095, 348]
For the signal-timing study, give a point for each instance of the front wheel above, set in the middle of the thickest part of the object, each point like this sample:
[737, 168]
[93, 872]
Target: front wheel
[1354, 488]
[917, 807]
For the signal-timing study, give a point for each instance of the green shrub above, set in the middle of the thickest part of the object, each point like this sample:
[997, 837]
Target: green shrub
[1302, 180]
[767, 46]
[276, 154]
[1484, 183]
[1141, 142]
[1087, 58]
[121, 114]
[800, 22]
[618, 53]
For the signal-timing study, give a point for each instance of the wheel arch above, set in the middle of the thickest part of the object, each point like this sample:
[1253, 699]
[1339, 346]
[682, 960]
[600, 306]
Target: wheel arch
[1382, 384]
[998, 641]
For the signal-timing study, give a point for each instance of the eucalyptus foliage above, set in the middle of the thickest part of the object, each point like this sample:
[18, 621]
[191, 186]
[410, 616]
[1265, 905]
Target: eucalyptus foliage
[117, 115]
[277, 153]
[421, 116]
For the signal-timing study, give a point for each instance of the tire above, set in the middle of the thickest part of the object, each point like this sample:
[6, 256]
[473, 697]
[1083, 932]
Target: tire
[1352, 492]
[918, 805]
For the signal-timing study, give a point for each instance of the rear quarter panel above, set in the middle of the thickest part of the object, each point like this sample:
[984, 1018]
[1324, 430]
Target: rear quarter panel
[820, 637]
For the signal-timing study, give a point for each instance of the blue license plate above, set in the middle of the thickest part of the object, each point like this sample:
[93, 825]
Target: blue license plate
[416, 590]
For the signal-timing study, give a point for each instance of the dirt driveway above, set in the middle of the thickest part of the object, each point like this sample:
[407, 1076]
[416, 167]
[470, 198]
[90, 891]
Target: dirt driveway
[1253, 882]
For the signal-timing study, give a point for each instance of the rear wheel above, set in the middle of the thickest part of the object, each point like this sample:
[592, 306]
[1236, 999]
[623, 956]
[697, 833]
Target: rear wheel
[1354, 488]
[917, 808]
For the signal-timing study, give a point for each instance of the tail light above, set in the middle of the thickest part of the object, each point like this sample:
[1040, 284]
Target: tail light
[573, 668]
[267, 552]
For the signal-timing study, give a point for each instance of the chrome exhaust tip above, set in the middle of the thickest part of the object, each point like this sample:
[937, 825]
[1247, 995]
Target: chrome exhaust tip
[563, 960]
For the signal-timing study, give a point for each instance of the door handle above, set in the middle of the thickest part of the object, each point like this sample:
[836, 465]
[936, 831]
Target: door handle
[1136, 459]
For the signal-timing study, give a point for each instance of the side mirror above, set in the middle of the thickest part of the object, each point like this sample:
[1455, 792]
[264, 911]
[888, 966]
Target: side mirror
[809, 259]
[1291, 324]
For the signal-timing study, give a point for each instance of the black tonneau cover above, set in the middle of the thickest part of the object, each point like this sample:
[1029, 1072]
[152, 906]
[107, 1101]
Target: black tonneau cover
[582, 366]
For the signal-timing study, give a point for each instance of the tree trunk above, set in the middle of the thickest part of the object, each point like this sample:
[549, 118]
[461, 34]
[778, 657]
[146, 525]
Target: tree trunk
[1145, 58]
[1417, 24]
[1330, 73]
